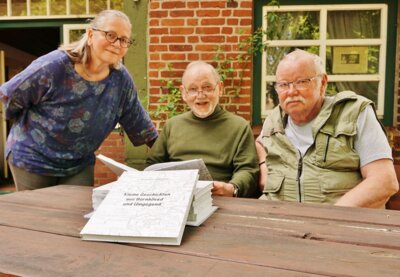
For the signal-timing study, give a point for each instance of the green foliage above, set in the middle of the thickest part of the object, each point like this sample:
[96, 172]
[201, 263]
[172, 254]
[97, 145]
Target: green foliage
[170, 102]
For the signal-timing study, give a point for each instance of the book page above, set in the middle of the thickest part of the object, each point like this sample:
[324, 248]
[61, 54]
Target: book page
[183, 165]
[114, 166]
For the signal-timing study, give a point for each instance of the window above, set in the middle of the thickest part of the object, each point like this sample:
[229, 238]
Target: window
[351, 40]
[56, 8]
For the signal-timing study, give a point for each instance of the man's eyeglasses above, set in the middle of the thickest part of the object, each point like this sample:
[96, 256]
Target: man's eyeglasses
[206, 90]
[301, 84]
[113, 37]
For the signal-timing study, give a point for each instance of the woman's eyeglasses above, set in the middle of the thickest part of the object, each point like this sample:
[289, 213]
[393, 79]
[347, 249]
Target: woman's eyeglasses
[113, 37]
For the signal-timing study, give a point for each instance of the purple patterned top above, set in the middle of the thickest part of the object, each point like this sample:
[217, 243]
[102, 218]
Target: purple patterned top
[60, 119]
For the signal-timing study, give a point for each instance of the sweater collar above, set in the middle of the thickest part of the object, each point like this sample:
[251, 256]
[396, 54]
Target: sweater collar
[217, 111]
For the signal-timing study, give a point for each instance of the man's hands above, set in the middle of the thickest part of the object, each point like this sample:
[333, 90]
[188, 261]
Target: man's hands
[223, 189]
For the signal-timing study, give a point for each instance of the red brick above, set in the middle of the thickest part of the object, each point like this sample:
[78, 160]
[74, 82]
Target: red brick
[206, 47]
[172, 39]
[173, 4]
[193, 57]
[213, 4]
[246, 22]
[232, 39]
[193, 39]
[207, 56]
[158, 31]
[193, 4]
[179, 65]
[158, 14]
[172, 22]
[154, 22]
[192, 22]
[242, 13]
[208, 30]
[173, 56]
[181, 31]
[207, 13]
[227, 30]
[156, 65]
[154, 5]
[180, 48]
[153, 74]
[213, 21]
[181, 13]
[171, 74]
[154, 40]
[212, 39]
[232, 21]
[158, 48]
[226, 13]
[248, 4]
[154, 56]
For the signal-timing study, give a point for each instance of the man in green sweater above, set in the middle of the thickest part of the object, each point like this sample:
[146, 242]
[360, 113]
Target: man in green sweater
[223, 140]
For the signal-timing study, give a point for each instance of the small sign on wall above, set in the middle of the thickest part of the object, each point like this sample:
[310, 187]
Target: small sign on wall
[350, 59]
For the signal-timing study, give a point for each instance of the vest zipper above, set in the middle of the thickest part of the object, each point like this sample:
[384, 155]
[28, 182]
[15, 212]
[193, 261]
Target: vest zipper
[326, 149]
[299, 171]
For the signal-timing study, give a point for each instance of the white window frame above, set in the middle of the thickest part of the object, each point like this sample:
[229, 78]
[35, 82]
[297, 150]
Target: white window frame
[48, 15]
[323, 43]
[70, 27]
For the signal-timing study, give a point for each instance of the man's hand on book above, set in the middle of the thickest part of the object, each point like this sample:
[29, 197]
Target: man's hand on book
[223, 189]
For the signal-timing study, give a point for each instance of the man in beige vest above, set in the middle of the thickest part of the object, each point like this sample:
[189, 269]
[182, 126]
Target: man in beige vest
[323, 149]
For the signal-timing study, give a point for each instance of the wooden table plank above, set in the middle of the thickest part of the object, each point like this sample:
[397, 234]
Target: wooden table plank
[29, 253]
[254, 207]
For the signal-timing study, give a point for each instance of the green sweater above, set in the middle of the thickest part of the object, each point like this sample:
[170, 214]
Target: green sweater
[223, 140]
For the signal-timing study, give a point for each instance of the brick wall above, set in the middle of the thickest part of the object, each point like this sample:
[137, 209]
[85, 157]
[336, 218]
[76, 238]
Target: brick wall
[114, 148]
[185, 31]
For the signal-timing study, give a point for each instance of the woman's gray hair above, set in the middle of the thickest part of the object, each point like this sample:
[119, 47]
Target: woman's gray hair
[79, 51]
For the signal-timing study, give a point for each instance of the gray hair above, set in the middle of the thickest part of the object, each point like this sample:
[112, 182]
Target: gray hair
[298, 53]
[79, 51]
[201, 64]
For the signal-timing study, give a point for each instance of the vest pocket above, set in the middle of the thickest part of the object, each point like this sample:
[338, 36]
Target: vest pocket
[274, 183]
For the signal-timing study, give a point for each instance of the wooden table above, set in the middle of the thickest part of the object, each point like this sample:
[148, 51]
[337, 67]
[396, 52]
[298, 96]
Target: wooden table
[39, 236]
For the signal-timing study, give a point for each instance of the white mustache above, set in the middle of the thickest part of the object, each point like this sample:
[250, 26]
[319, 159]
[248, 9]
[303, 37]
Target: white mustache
[294, 98]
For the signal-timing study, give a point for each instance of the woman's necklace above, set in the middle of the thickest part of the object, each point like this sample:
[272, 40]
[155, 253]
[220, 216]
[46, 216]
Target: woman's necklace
[93, 76]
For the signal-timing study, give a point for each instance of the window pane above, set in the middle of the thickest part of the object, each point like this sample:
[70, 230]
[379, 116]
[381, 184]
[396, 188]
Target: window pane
[75, 35]
[271, 98]
[293, 25]
[18, 7]
[58, 7]
[97, 6]
[38, 7]
[352, 60]
[354, 24]
[3, 7]
[78, 6]
[117, 5]
[367, 89]
[275, 54]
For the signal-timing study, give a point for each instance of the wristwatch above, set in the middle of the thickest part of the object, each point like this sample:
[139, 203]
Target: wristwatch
[235, 190]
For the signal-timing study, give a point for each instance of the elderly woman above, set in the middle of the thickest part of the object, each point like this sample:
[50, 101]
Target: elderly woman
[66, 102]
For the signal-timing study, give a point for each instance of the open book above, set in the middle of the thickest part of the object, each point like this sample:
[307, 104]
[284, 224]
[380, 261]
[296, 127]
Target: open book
[144, 207]
[119, 168]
